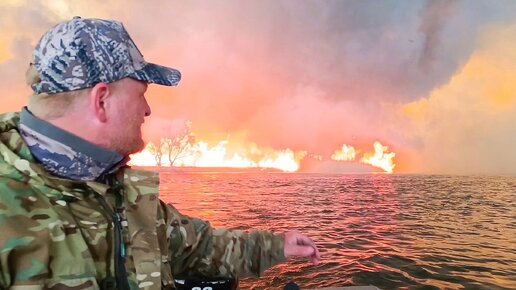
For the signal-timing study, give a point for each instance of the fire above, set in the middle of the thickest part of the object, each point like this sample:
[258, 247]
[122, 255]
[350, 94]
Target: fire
[143, 158]
[200, 154]
[185, 151]
[285, 160]
[346, 154]
[380, 158]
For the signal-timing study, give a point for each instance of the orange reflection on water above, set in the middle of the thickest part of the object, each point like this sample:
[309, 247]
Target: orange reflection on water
[391, 231]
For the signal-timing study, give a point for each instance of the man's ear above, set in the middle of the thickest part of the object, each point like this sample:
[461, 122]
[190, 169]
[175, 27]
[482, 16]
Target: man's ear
[98, 97]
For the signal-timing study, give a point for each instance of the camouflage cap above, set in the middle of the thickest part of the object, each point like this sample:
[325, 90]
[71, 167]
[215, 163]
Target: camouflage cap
[80, 53]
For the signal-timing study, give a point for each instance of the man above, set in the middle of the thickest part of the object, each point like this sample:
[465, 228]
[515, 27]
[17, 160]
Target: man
[72, 214]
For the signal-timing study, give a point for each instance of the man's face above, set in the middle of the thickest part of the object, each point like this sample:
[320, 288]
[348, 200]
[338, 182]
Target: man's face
[127, 111]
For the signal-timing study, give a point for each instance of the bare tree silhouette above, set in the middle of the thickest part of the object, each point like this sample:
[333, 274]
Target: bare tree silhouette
[156, 152]
[177, 147]
[174, 148]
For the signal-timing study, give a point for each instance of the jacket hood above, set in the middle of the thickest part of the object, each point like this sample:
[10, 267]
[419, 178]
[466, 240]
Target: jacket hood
[15, 157]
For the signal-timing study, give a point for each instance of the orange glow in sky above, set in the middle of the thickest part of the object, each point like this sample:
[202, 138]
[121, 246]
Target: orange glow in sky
[298, 90]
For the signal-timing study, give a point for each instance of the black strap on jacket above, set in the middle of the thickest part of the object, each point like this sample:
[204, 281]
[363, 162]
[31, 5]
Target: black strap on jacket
[119, 246]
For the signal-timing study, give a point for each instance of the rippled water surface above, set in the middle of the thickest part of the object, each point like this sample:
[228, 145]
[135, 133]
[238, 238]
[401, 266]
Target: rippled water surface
[391, 231]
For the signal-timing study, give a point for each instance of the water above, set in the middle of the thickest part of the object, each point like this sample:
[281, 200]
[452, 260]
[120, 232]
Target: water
[391, 231]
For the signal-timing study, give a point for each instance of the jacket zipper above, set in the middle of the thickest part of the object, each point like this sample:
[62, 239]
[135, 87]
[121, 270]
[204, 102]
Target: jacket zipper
[119, 246]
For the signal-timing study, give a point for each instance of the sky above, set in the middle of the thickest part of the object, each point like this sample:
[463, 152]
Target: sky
[435, 81]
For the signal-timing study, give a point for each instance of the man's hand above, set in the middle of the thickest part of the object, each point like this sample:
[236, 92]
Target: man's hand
[297, 244]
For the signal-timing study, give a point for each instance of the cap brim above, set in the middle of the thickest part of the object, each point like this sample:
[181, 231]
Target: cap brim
[157, 74]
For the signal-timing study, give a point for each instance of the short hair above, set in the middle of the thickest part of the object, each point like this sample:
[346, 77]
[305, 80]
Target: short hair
[51, 106]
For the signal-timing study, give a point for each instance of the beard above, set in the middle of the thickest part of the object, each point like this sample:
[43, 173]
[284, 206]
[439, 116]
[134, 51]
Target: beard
[129, 139]
[128, 146]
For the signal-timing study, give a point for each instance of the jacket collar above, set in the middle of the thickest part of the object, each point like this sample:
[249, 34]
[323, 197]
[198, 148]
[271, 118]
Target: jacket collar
[17, 163]
[64, 154]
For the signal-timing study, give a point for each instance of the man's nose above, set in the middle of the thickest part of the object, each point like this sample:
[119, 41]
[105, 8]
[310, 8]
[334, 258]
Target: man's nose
[147, 109]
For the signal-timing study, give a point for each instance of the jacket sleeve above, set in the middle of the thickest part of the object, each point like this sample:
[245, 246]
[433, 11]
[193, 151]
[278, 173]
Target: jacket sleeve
[197, 249]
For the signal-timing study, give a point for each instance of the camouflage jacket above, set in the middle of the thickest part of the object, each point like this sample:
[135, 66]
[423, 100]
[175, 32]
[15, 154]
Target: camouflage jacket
[55, 232]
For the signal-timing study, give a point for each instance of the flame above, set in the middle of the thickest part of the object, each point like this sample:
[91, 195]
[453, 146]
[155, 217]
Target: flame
[381, 158]
[347, 153]
[200, 154]
[184, 151]
[285, 160]
[144, 157]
